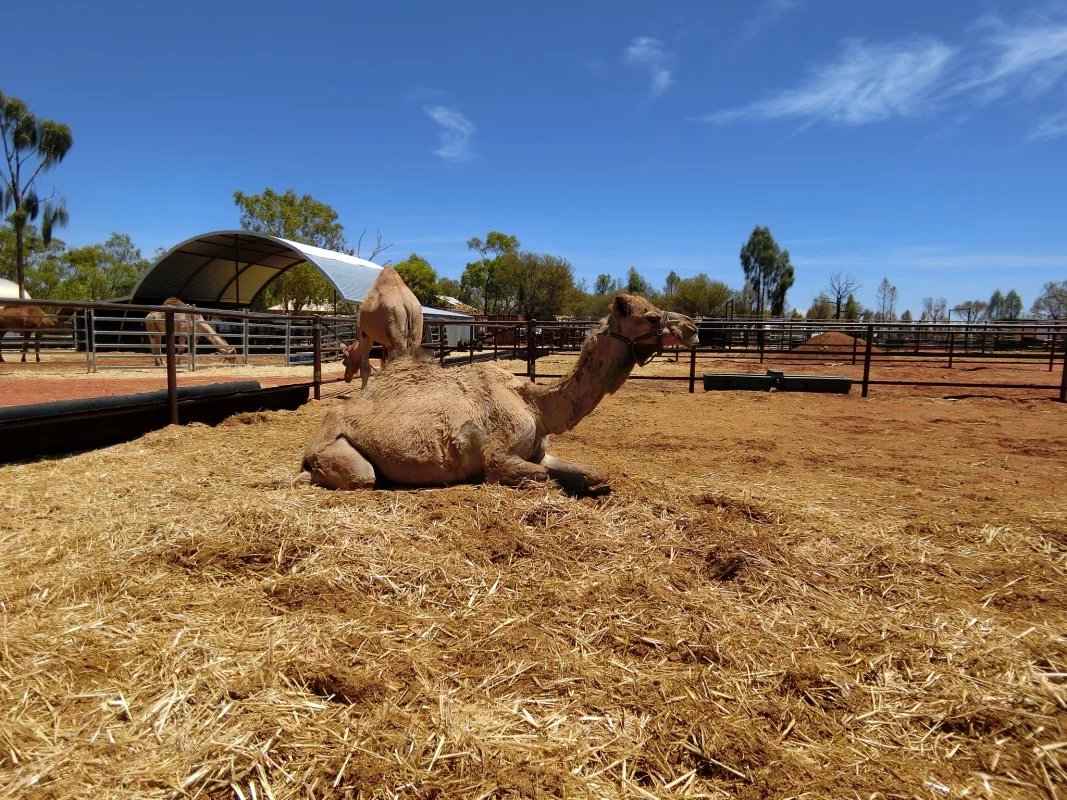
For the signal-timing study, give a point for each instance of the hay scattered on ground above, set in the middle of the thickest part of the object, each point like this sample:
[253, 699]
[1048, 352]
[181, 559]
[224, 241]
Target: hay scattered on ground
[759, 609]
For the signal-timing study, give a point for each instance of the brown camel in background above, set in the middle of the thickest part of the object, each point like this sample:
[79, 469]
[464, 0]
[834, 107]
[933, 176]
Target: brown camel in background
[27, 320]
[390, 315]
[187, 328]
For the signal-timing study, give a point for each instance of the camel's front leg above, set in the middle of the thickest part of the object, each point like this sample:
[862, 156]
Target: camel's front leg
[339, 466]
[501, 466]
[572, 476]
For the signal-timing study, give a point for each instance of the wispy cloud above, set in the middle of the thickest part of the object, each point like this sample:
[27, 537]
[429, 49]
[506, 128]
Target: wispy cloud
[1030, 57]
[868, 83]
[649, 53]
[875, 82]
[1051, 127]
[456, 132]
[766, 15]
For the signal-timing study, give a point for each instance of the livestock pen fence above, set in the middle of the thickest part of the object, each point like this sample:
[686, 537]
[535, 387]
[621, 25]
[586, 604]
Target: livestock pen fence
[104, 336]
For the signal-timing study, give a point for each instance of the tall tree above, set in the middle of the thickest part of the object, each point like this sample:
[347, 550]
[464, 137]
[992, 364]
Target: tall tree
[1012, 307]
[486, 280]
[822, 307]
[784, 283]
[887, 301]
[853, 310]
[971, 310]
[36, 253]
[301, 219]
[670, 285]
[31, 146]
[636, 283]
[1052, 302]
[698, 296]
[935, 309]
[996, 303]
[450, 287]
[841, 286]
[94, 272]
[420, 277]
[768, 271]
[605, 284]
[543, 284]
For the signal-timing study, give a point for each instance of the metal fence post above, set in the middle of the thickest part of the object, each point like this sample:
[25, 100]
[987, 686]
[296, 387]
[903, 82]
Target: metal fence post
[441, 341]
[1052, 351]
[316, 348]
[867, 360]
[530, 356]
[288, 341]
[692, 370]
[244, 338]
[1063, 375]
[855, 345]
[90, 338]
[172, 368]
[951, 346]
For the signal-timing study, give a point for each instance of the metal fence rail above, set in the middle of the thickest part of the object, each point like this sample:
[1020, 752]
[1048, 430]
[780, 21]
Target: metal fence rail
[113, 335]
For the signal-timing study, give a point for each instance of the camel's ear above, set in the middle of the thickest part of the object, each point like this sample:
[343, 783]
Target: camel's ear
[622, 305]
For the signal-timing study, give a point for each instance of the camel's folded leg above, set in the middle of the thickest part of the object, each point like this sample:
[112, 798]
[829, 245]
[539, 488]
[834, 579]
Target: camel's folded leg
[340, 466]
[511, 470]
[572, 476]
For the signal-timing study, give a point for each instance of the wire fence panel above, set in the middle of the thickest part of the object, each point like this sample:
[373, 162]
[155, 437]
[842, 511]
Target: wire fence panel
[102, 336]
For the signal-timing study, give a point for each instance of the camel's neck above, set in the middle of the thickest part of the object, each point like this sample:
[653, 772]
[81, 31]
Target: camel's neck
[603, 366]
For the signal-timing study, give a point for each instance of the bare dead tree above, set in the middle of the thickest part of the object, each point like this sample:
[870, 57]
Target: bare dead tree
[841, 286]
[378, 246]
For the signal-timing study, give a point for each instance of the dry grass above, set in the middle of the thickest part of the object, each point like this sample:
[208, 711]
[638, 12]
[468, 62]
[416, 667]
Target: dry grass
[759, 609]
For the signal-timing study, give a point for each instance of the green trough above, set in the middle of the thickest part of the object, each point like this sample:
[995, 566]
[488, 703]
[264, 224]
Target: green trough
[775, 379]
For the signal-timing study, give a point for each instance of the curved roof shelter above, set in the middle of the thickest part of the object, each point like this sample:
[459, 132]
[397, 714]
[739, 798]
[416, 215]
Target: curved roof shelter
[227, 269]
[10, 289]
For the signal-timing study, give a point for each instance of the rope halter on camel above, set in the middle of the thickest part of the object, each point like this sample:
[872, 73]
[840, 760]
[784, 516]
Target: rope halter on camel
[657, 334]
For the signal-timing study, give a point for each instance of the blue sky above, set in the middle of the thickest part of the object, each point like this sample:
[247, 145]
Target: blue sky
[917, 140]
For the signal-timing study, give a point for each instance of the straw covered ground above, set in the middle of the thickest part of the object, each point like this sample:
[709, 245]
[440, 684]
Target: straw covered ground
[783, 596]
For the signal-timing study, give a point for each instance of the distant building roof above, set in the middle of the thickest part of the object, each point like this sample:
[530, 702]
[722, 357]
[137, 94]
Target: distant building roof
[458, 305]
[10, 290]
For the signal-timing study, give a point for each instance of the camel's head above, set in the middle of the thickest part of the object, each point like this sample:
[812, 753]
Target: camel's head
[648, 328]
[228, 354]
[352, 356]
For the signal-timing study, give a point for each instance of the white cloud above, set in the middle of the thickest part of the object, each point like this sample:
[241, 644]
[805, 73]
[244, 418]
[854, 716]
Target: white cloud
[456, 132]
[767, 14]
[648, 52]
[871, 82]
[868, 83]
[1031, 57]
[1051, 127]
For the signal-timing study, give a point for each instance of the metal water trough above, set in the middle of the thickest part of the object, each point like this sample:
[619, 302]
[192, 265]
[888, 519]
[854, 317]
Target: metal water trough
[67, 426]
[737, 381]
[775, 379]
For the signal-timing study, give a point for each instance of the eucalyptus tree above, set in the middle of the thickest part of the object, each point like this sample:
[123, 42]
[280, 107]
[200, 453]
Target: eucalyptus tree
[32, 146]
[301, 219]
[768, 271]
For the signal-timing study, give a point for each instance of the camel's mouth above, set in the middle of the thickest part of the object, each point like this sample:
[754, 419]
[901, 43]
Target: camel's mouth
[681, 331]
